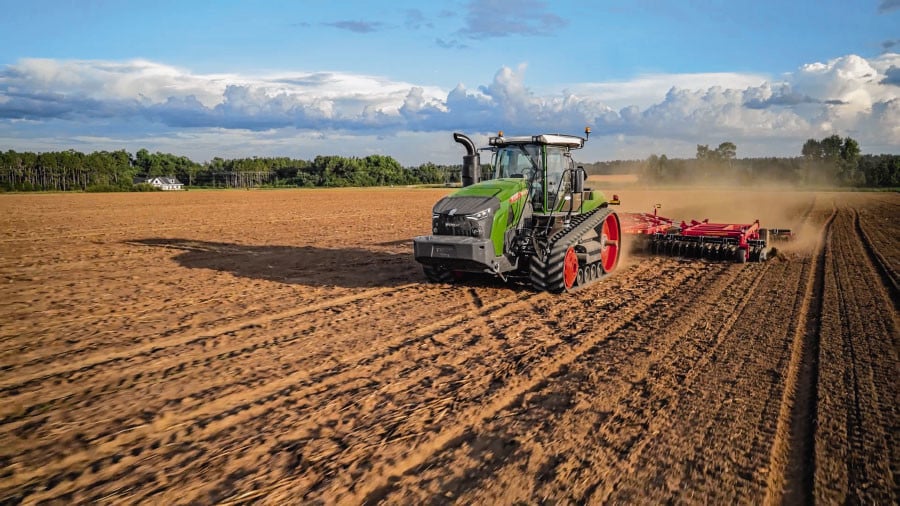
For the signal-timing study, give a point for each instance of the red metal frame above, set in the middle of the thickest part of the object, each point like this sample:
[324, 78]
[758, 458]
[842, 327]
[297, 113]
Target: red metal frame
[645, 223]
[737, 231]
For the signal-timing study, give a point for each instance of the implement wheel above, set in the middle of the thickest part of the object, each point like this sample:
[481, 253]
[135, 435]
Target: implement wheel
[610, 237]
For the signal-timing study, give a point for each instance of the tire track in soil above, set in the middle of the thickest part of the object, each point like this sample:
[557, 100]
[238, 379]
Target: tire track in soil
[377, 488]
[246, 404]
[880, 264]
[213, 425]
[792, 462]
[182, 339]
[551, 416]
[258, 315]
[168, 365]
[483, 449]
[716, 369]
[857, 436]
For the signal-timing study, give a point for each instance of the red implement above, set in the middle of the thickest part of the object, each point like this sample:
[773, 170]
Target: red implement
[738, 242]
[645, 223]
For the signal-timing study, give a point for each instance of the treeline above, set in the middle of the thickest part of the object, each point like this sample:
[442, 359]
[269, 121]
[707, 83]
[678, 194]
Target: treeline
[116, 170]
[832, 161]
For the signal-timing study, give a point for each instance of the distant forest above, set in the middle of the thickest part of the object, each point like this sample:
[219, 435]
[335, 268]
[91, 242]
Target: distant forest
[832, 161]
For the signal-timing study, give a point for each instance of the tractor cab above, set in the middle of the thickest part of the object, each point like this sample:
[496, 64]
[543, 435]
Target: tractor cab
[543, 161]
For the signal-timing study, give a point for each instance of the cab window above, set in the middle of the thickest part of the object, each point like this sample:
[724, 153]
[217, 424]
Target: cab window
[557, 176]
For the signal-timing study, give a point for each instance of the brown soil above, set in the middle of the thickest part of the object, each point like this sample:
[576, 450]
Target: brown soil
[283, 347]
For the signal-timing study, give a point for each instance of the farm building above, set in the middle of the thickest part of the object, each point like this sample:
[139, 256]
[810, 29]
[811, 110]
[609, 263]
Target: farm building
[163, 183]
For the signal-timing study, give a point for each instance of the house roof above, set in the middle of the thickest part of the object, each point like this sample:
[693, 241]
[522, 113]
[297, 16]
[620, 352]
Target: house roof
[158, 179]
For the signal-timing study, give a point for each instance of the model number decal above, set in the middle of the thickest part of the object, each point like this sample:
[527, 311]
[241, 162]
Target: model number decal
[517, 196]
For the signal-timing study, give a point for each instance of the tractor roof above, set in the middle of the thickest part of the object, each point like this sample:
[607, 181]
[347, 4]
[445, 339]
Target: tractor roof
[571, 141]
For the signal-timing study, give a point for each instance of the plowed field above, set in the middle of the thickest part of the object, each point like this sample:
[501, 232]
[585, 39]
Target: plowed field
[283, 347]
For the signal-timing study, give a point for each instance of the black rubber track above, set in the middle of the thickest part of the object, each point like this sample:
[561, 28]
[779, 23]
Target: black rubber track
[437, 274]
[546, 268]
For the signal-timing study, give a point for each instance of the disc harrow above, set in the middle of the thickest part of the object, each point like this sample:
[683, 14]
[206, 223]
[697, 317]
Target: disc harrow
[734, 242]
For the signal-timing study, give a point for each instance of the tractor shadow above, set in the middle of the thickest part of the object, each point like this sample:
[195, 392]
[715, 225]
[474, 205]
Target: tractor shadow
[306, 265]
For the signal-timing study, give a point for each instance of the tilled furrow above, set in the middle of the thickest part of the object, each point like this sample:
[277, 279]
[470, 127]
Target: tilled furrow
[537, 410]
[154, 347]
[721, 410]
[857, 387]
[642, 410]
[362, 388]
[270, 392]
[247, 368]
[188, 348]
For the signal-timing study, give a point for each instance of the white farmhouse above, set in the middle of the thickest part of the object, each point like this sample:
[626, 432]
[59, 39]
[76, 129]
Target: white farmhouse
[163, 183]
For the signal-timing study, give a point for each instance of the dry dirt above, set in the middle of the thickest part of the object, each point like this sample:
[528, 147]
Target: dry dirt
[283, 347]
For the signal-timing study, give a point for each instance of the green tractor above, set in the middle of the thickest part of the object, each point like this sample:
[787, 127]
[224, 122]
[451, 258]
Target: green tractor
[534, 220]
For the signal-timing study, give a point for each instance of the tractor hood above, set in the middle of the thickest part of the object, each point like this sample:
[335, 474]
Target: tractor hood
[502, 189]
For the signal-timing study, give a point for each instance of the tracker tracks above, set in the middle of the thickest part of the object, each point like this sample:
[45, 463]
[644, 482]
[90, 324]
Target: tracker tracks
[890, 278]
[433, 455]
[225, 411]
[369, 403]
[793, 459]
[835, 438]
[856, 437]
[155, 347]
[559, 423]
[169, 363]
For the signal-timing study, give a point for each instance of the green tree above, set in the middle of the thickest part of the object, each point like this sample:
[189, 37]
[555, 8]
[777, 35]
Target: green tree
[703, 152]
[726, 151]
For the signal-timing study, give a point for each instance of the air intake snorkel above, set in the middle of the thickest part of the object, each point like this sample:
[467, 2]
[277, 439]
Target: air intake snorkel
[471, 168]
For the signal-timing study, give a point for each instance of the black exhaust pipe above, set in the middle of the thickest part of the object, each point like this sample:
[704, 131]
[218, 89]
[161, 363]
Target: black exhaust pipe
[471, 168]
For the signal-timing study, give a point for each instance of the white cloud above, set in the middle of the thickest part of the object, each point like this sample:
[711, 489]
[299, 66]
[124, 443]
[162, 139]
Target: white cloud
[141, 101]
[646, 90]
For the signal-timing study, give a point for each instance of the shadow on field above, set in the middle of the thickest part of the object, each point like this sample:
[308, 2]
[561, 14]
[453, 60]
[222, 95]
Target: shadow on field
[307, 265]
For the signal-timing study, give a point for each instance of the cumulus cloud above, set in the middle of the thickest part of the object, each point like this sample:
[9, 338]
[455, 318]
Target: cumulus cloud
[849, 95]
[892, 76]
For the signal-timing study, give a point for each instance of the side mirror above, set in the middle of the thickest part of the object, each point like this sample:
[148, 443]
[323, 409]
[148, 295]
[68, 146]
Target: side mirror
[578, 184]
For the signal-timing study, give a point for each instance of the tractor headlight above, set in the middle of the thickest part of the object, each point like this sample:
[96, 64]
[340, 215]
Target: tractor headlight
[480, 215]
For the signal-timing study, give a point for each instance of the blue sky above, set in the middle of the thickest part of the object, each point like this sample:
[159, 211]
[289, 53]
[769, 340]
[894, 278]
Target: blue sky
[303, 78]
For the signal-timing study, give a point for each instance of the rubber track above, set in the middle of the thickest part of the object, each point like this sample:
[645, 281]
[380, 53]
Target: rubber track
[547, 270]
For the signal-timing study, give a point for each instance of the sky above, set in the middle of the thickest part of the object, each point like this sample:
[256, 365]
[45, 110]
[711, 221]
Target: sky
[303, 78]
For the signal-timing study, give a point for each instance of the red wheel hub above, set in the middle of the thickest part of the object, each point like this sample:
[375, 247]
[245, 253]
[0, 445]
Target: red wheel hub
[570, 268]
[609, 255]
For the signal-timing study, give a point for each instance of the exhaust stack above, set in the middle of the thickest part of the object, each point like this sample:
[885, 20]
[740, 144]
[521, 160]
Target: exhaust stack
[471, 168]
